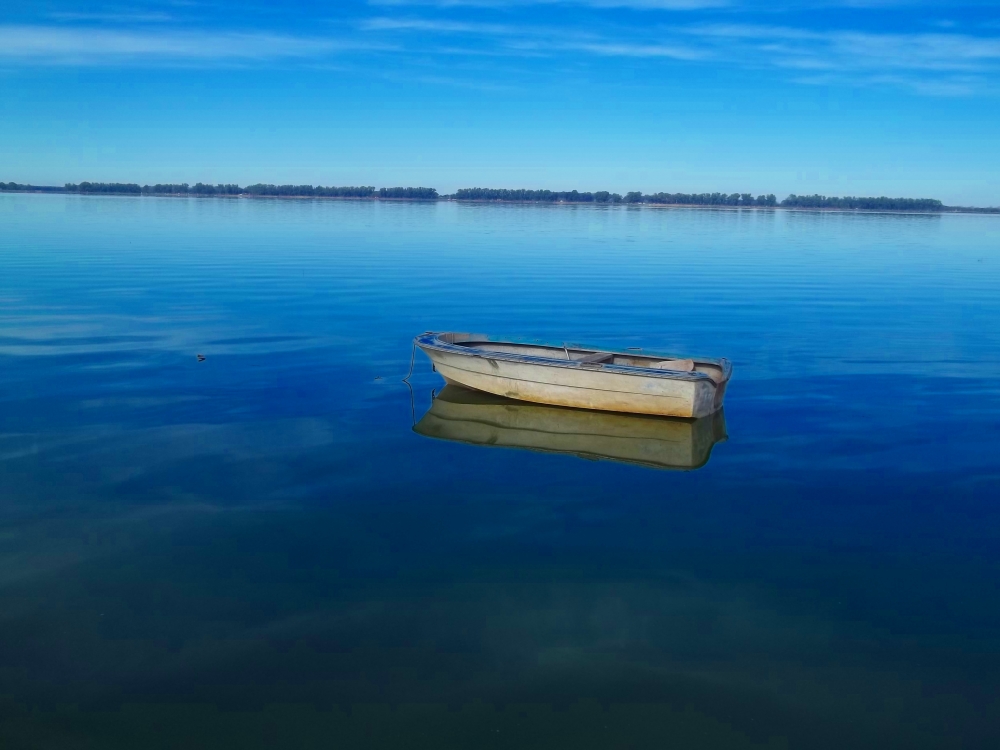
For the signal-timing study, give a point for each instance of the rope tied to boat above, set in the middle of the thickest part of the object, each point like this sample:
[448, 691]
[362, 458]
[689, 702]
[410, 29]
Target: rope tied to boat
[413, 354]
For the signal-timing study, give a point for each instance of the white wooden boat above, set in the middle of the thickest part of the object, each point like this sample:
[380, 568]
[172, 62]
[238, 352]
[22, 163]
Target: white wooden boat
[479, 418]
[629, 381]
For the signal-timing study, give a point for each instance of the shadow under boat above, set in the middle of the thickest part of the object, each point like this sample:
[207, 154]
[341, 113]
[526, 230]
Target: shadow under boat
[477, 418]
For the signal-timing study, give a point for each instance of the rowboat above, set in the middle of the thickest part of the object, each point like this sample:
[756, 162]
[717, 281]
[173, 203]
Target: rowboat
[478, 418]
[629, 381]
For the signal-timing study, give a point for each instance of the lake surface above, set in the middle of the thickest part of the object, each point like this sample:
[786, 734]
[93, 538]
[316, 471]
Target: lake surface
[258, 550]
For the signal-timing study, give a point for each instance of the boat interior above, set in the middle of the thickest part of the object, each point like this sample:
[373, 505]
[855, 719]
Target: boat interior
[591, 356]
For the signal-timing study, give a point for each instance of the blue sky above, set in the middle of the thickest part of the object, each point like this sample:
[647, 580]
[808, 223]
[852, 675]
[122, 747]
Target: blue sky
[839, 97]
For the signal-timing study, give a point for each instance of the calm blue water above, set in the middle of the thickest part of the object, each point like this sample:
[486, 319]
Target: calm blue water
[257, 550]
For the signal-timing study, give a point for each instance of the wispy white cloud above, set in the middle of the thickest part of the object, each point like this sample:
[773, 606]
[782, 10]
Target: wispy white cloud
[647, 4]
[90, 46]
[668, 5]
[119, 18]
[852, 50]
[618, 49]
[951, 86]
[539, 39]
[436, 26]
[939, 63]
[682, 5]
[933, 64]
[781, 46]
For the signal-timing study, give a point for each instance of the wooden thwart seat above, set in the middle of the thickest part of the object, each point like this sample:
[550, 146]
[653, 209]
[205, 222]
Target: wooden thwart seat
[596, 358]
[679, 365]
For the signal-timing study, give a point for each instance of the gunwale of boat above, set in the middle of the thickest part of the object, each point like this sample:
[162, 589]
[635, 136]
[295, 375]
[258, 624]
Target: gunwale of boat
[476, 345]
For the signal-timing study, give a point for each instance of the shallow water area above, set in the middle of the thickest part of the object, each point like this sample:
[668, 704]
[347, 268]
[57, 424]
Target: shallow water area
[256, 548]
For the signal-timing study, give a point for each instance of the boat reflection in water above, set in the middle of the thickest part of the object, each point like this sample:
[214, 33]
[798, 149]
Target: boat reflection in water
[479, 418]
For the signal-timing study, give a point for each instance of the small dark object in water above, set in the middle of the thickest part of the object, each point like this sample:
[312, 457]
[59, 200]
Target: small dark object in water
[201, 357]
[378, 377]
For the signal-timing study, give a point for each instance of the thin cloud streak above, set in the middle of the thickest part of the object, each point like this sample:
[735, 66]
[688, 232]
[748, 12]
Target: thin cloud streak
[667, 5]
[537, 39]
[120, 18]
[767, 6]
[852, 50]
[949, 87]
[680, 5]
[641, 50]
[760, 46]
[441, 27]
[937, 63]
[79, 46]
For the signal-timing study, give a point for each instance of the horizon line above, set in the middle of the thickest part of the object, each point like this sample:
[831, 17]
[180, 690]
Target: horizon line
[496, 195]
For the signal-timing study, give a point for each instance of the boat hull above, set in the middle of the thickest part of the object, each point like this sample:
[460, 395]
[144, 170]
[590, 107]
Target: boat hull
[573, 384]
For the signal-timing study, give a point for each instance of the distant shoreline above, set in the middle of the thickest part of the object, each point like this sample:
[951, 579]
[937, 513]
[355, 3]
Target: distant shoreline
[427, 195]
[240, 196]
[945, 210]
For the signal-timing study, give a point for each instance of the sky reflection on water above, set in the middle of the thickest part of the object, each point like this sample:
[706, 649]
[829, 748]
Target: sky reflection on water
[258, 550]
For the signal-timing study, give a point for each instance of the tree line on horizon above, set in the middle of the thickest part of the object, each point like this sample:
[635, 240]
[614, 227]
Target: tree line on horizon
[573, 196]
[872, 204]
[706, 199]
[881, 203]
[409, 193]
[259, 189]
[19, 187]
[307, 190]
[534, 196]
